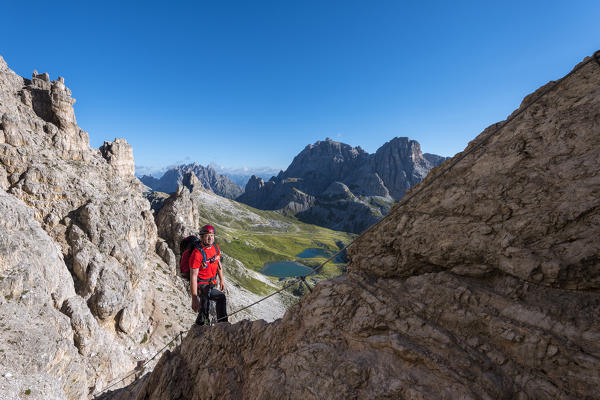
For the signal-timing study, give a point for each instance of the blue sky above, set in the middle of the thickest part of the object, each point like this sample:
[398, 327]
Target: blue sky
[251, 83]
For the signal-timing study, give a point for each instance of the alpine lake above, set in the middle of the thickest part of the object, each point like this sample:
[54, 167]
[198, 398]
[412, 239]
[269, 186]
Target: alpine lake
[291, 269]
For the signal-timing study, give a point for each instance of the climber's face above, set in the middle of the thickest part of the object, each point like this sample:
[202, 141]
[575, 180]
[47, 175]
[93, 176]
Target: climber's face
[208, 239]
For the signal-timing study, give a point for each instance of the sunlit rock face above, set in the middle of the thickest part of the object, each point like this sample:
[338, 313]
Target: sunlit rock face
[483, 286]
[79, 274]
[119, 155]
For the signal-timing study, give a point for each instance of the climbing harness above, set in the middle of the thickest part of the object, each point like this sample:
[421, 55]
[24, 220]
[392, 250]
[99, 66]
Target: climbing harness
[398, 205]
[205, 260]
[209, 280]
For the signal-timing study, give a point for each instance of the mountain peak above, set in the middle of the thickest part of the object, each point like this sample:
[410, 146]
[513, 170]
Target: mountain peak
[387, 174]
[207, 178]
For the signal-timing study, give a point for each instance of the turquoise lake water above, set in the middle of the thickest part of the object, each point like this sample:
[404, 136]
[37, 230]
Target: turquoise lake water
[285, 269]
[314, 252]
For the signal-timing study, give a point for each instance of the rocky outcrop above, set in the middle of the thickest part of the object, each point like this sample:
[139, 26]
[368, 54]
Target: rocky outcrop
[207, 176]
[178, 218]
[32, 310]
[276, 195]
[156, 199]
[434, 159]
[119, 155]
[375, 181]
[341, 215]
[324, 162]
[401, 165]
[83, 289]
[483, 286]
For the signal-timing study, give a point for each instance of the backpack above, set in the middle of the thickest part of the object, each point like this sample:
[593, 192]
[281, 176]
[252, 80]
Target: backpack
[187, 243]
[186, 246]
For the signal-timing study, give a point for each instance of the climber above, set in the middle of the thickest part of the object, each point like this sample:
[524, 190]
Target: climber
[205, 265]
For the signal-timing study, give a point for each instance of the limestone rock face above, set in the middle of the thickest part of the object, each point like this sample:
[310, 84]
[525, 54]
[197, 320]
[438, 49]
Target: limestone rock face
[119, 155]
[434, 159]
[254, 184]
[156, 199]
[276, 195]
[207, 177]
[326, 161]
[401, 165]
[483, 286]
[79, 271]
[178, 218]
[33, 286]
[375, 181]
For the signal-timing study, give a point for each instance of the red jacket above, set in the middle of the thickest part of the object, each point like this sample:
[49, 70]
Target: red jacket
[207, 269]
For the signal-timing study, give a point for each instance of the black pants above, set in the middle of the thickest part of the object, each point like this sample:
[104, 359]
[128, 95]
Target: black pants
[207, 293]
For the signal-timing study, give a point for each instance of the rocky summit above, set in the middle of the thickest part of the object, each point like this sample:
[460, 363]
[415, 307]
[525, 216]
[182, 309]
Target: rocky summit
[485, 285]
[338, 186]
[207, 177]
[88, 289]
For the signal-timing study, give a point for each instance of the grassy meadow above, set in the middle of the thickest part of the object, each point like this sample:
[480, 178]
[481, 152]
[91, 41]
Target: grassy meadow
[256, 237]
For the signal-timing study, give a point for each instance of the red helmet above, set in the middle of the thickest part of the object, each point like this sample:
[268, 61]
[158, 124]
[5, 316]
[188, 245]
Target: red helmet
[207, 229]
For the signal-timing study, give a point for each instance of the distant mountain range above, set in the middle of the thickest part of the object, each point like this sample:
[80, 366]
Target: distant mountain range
[241, 176]
[207, 176]
[166, 180]
[338, 186]
[329, 183]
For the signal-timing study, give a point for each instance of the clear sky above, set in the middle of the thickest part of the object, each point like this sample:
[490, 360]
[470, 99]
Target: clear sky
[251, 83]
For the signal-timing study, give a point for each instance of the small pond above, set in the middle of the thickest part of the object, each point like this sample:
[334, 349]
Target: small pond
[285, 269]
[314, 252]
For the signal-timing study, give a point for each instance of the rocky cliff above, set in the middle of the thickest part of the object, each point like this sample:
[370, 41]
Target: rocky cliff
[207, 176]
[82, 290]
[373, 182]
[484, 286]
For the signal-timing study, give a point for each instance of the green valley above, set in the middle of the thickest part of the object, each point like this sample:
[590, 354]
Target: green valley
[256, 237]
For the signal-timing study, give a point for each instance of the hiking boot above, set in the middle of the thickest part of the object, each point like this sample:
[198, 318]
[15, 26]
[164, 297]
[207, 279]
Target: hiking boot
[201, 320]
